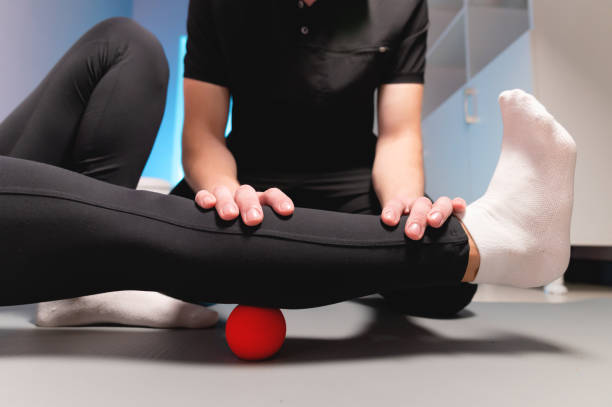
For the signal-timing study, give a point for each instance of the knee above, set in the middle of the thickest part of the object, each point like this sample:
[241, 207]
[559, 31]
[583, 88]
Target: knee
[444, 301]
[142, 45]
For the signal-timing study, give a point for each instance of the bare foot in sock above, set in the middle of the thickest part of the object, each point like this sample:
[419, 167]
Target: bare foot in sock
[135, 308]
[521, 225]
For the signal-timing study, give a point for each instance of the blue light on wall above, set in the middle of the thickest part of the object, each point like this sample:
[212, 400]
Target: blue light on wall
[177, 170]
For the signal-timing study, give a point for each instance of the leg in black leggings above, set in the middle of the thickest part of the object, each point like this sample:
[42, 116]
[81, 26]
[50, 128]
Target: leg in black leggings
[65, 234]
[355, 194]
[98, 111]
[351, 191]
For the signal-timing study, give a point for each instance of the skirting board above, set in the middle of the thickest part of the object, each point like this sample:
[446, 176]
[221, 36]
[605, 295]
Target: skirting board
[590, 264]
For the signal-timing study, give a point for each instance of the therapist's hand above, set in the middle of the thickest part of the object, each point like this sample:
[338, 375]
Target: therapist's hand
[245, 201]
[421, 213]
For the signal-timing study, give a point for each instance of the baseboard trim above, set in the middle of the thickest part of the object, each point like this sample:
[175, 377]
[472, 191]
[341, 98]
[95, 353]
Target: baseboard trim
[591, 265]
[603, 253]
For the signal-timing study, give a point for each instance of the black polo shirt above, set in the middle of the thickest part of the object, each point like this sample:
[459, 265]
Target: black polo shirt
[303, 78]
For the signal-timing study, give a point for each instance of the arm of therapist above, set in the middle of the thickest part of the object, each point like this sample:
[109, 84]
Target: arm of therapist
[398, 174]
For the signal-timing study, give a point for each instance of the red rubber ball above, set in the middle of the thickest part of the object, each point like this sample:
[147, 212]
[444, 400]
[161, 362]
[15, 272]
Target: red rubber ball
[254, 333]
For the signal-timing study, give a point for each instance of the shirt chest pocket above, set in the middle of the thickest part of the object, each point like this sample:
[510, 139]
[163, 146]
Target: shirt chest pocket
[350, 72]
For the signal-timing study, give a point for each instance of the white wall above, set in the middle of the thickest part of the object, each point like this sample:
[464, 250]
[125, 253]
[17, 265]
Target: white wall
[573, 67]
[34, 34]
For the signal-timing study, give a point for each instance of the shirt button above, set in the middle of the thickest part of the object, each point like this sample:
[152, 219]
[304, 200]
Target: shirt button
[304, 30]
[300, 4]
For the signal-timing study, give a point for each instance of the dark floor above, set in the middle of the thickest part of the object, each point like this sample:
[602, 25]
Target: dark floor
[504, 350]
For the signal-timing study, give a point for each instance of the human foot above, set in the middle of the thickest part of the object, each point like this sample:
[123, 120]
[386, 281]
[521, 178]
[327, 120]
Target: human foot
[521, 224]
[136, 308]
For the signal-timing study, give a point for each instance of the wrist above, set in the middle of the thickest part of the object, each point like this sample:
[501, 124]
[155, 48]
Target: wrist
[211, 182]
[405, 192]
[387, 187]
[223, 181]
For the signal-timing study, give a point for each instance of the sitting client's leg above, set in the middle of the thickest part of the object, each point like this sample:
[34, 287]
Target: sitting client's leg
[67, 235]
[439, 300]
[97, 113]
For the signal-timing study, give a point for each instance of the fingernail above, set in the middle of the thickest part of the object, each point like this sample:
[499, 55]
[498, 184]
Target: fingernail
[436, 216]
[415, 229]
[228, 209]
[253, 214]
[389, 215]
[285, 206]
[208, 201]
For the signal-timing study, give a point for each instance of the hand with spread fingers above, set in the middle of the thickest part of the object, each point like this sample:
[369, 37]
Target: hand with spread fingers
[422, 213]
[245, 201]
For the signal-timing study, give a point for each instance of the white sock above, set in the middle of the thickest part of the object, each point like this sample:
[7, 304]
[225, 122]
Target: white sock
[521, 225]
[136, 308]
[557, 287]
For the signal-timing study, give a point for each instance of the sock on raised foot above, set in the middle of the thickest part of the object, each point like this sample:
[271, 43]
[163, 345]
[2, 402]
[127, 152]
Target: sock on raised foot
[134, 308]
[521, 225]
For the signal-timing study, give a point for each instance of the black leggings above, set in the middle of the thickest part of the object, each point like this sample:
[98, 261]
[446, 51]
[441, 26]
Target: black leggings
[71, 223]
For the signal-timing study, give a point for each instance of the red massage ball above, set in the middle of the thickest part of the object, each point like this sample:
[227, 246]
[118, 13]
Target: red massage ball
[255, 333]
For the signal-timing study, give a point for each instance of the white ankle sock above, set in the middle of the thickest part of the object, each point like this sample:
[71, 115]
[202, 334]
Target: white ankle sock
[136, 308]
[521, 225]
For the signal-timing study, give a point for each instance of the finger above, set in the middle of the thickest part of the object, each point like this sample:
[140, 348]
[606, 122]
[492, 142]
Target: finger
[392, 212]
[248, 204]
[417, 219]
[205, 199]
[459, 205]
[440, 211]
[277, 200]
[226, 207]
[408, 204]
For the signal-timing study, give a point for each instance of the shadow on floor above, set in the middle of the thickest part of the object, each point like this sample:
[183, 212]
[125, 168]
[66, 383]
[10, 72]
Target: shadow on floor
[390, 334]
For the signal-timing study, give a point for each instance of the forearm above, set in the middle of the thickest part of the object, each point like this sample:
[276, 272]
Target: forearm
[398, 167]
[206, 160]
[209, 164]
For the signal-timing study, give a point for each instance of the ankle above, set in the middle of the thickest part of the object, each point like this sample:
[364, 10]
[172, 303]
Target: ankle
[473, 259]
